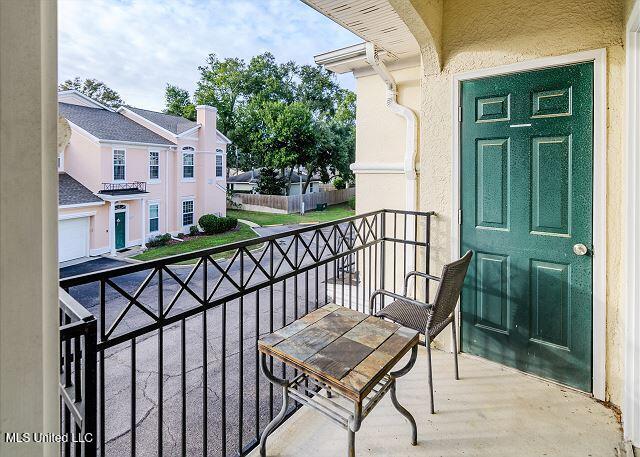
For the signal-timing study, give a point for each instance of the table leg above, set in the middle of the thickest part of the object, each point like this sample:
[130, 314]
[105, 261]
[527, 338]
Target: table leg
[285, 404]
[352, 443]
[353, 426]
[394, 399]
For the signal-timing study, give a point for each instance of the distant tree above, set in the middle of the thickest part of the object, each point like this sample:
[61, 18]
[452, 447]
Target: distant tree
[222, 84]
[318, 89]
[270, 182]
[94, 89]
[178, 102]
[339, 183]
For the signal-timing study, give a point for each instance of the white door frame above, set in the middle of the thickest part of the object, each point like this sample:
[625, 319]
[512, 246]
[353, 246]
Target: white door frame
[124, 210]
[631, 396]
[599, 59]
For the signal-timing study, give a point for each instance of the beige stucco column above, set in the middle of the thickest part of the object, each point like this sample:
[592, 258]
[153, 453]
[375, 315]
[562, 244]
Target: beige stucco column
[112, 227]
[143, 209]
[28, 224]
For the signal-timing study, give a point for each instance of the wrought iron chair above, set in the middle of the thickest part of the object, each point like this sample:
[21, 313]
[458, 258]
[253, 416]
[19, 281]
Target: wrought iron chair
[428, 318]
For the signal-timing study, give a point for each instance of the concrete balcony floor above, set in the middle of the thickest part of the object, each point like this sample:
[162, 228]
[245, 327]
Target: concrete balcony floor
[491, 411]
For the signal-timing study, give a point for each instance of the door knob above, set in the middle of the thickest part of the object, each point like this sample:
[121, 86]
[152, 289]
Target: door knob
[580, 249]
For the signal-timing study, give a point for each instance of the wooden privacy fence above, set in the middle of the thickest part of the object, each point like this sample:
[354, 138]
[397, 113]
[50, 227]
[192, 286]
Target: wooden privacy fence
[291, 204]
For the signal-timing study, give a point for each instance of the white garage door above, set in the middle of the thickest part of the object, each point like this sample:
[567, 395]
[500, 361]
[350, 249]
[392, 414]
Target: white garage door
[73, 238]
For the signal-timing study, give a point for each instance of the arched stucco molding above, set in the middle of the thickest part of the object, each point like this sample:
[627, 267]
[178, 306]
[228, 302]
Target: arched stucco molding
[424, 20]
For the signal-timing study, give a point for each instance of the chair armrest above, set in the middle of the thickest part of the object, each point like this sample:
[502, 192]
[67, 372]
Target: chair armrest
[397, 297]
[417, 273]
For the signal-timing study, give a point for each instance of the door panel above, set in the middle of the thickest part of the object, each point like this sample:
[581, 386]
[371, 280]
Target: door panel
[120, 229]
[526, 182]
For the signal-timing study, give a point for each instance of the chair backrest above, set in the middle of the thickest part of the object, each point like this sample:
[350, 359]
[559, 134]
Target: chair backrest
[449, 289]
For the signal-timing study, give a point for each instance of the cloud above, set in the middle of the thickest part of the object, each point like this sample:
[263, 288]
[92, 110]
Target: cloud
[136, 47]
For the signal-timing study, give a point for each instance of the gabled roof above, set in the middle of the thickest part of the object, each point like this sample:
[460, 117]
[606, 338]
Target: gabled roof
[174, 124]
[75, 97]
[109, 126]
[71, 192]
[252, 176]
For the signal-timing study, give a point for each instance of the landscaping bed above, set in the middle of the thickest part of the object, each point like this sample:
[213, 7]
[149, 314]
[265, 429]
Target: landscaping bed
[192, 243]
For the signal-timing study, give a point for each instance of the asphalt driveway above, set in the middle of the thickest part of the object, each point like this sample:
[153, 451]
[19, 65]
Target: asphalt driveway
[97, 264]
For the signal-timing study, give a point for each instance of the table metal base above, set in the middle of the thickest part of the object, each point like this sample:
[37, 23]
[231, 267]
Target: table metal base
[306, 390]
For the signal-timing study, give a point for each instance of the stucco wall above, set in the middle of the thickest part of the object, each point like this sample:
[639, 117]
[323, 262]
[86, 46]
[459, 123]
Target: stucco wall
[481, 34]
[380, 138]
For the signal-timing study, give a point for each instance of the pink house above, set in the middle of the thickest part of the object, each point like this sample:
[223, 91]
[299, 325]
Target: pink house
[131, 174]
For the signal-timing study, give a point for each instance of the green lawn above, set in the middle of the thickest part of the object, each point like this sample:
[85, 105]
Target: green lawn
[244, 232]
[330, 214]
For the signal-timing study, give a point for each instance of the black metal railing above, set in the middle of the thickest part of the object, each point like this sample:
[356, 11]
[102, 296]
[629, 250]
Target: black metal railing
[78, 332]
[176, 347]
[123, 187]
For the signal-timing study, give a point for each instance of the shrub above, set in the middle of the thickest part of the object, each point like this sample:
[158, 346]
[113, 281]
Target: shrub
[212, 224]
[193, 230]
[352, 203]
[232, 222]
[160, 240]
[339, 183]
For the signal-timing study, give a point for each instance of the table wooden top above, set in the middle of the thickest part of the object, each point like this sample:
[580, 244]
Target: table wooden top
[348, 350]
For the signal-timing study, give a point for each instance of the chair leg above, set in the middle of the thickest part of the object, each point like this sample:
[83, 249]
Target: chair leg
[430, 375]
[455, 349]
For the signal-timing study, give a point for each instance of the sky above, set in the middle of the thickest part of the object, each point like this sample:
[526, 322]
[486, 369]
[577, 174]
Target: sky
[136, 47]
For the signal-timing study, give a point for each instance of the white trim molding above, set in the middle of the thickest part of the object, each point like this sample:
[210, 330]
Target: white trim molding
[599, 59]
[150, 179]
[113, 165]
[63, 94]
[99, 251]
[631, 395]
[81, 205]
[191, 199]
[63, 217]
[377, 168]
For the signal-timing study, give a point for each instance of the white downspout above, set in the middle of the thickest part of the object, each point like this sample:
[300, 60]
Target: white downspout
[409, 116]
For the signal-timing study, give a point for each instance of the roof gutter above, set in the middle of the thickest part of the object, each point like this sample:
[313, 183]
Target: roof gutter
[409, 116]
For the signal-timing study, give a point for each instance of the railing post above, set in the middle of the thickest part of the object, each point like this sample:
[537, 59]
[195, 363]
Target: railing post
[90, 388]
[383, 235]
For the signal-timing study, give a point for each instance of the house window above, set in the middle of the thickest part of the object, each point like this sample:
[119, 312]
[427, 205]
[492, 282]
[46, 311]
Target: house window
[187, 213]
[118, 165]
[187, 163]
[154, 220]
[154, 165]
[219, 170]
[61, 161]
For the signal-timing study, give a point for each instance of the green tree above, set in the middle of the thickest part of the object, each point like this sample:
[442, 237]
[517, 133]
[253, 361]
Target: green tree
[178, 102]
[94, 89]
[277, 115]
[270, 182]
[222, 84]
[318, 88]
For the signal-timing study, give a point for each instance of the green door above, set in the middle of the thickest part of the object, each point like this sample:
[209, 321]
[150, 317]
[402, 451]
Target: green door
[526, 173]
[120, 229]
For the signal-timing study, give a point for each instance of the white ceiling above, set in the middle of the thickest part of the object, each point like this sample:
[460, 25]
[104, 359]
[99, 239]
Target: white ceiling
[372, 20]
